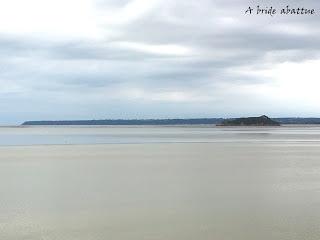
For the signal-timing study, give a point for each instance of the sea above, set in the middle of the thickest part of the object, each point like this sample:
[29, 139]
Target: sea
[160, 183]
[65, 135]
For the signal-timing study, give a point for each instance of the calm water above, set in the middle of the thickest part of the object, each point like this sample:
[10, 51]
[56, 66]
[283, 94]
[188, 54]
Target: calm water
[204, 183]
[154, 134]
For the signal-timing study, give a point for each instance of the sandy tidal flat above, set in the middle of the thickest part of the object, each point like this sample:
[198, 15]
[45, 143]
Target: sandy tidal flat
[163, 191]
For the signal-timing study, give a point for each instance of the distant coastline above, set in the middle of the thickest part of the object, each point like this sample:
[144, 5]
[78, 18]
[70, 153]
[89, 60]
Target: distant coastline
[187, 121]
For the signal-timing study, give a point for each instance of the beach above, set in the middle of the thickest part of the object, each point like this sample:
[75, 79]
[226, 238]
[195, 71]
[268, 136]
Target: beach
[256, 187]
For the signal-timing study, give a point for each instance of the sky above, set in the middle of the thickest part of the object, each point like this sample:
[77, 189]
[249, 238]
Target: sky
[111, 59]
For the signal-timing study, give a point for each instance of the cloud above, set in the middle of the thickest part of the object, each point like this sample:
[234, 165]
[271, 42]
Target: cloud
[114, 58]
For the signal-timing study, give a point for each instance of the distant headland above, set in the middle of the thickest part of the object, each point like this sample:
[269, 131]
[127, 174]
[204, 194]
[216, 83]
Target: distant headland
[192, 121]
[177, 121]
[250, 121]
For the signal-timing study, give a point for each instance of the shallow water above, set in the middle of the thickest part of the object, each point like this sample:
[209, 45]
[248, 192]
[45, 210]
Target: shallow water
[221, 183]
[48, 135]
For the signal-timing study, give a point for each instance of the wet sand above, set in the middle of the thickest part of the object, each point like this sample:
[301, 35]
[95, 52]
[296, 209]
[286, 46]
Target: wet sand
[169, 191]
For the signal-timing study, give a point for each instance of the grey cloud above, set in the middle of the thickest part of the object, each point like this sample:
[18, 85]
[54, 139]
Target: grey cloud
[217, 33]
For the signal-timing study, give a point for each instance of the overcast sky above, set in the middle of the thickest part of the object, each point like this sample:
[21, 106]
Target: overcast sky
[101, 59]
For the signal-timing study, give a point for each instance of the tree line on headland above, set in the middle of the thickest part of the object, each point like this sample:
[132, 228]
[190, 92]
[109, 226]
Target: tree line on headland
[191, 121]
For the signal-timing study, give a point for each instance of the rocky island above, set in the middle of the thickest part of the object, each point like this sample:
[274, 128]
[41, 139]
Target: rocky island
[250, 121]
